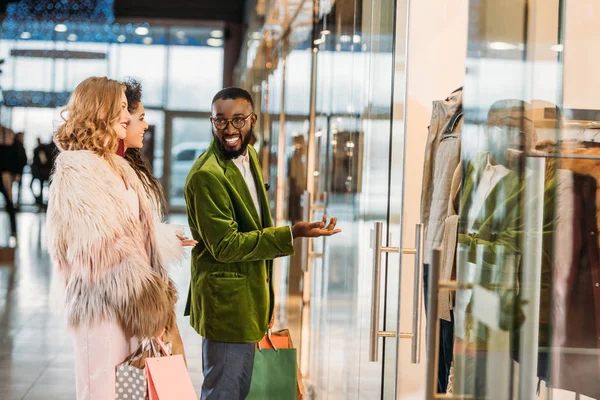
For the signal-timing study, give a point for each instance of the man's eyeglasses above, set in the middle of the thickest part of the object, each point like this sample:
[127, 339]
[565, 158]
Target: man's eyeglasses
[237, 122]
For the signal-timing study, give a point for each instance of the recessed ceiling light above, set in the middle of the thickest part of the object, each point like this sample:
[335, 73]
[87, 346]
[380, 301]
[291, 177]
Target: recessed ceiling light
[121, 38]
[72, 37]
[60, 28]
[147, 40]
[502, 46]
[214, 42]
[25, 35]
[141, 30]
[217, 33]
[180, 35]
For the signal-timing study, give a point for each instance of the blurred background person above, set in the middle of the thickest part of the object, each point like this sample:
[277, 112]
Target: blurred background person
[7, 139]
[41, 168]
[18, 163]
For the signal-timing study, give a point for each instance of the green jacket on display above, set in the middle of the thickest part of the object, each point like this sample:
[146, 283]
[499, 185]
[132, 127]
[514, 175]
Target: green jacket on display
[231, 294]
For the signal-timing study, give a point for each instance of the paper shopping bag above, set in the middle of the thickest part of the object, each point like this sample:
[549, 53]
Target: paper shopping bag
[168, 378]
[282, 339]
[273, 375]
[130, 380]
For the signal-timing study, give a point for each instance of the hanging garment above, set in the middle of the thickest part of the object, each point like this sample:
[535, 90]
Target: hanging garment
[442, 155]
[573, 303]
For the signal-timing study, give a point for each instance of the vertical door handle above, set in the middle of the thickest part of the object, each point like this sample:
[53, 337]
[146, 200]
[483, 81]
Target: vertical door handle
[433, 324]
[377, 244]
[375, 333]
[417, 301]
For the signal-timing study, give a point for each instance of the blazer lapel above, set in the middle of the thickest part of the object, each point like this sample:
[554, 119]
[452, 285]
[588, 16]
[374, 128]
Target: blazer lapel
[233, 174]
[267, 221]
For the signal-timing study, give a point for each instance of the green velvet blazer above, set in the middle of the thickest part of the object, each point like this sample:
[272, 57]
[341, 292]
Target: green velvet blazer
[231, 290]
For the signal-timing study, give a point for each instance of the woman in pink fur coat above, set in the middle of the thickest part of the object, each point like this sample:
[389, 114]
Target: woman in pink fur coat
[103, 240]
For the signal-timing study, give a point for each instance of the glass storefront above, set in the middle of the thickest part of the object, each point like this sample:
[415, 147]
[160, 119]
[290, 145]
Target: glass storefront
[508, 92]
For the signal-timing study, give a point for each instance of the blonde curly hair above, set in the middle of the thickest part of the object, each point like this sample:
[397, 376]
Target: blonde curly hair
[93, 108]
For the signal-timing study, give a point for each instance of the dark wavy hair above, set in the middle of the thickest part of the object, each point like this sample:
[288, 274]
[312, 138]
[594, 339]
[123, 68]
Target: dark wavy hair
[135, 157]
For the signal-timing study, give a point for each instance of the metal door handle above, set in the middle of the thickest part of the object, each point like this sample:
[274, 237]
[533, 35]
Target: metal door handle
[417, 301]
[433, 326]
[375, 333]
[375, 292]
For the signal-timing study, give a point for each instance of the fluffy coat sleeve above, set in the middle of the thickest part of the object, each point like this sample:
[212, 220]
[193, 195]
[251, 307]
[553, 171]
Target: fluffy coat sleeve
[100, 249]
[169, 245]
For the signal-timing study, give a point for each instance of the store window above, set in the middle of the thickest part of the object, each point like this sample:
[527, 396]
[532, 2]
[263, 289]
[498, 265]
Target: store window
[195, 76]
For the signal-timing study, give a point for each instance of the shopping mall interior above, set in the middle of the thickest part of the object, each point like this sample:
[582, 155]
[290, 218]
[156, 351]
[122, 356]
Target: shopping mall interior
[451, 278]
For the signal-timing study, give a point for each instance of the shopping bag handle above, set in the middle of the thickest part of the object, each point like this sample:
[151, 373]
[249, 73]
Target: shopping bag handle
[162, 346]
[144, 344]
[268, 336]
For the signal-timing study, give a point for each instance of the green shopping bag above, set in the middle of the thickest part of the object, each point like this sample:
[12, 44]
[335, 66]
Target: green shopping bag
[273, 375]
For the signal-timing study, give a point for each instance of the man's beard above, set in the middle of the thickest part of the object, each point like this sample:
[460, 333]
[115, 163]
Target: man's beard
[231, 154]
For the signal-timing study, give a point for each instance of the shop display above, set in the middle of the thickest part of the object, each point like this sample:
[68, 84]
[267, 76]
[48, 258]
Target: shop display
[442, 157]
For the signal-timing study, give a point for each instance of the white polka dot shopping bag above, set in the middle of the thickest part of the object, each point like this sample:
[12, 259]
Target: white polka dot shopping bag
[130, 381]
[167, 376]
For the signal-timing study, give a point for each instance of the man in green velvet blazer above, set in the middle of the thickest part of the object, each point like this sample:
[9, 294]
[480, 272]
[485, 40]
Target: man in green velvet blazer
[231, 298]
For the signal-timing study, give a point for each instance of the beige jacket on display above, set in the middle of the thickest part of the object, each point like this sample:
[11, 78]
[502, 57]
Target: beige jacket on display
[442, 156]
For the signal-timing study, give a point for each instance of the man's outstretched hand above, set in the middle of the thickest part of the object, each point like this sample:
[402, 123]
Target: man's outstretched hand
[315, 229]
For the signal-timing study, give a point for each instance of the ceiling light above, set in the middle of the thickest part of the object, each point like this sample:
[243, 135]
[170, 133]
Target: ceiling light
[213, 42]
[345, 38]
[60, 28]
[501, 46]
[72, 37]
[356, 39]
[325, 32]
[121, 38]
[141, 30]
[558, 48]
[217, 33]
[147, 40]
[318, 41]
[180, 35]
[25, 35]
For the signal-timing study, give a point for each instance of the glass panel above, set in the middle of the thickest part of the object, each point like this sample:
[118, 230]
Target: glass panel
[190, 135]
[354, 97]
[528, 236]
[195, 75]
[146, 63]
[491, 219]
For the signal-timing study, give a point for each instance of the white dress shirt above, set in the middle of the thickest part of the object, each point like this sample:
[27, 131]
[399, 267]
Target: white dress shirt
[243, 164]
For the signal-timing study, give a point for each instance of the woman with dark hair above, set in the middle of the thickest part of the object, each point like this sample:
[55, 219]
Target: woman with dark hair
[170, 237]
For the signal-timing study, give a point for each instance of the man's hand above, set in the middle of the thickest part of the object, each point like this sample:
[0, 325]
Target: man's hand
[315, 229]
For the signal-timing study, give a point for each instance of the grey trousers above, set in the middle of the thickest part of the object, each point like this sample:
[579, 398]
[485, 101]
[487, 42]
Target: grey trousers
[227, 370]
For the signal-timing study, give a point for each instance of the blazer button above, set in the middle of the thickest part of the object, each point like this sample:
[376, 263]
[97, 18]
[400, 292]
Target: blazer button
[267, 280]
